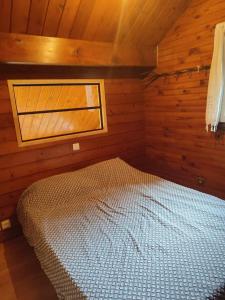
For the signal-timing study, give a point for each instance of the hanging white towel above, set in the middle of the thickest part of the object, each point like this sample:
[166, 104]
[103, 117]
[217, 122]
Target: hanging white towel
[216, 88]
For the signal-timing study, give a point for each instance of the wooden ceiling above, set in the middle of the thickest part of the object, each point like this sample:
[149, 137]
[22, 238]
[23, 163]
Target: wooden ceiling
[137, 22]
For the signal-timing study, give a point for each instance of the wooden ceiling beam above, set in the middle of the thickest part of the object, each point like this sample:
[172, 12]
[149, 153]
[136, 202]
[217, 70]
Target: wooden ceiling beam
[39, 50]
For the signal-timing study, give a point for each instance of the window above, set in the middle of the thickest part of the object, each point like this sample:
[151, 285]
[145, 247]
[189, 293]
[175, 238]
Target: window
[49, 110]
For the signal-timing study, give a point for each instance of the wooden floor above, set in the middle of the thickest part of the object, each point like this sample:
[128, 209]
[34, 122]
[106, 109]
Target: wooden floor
[21, 276]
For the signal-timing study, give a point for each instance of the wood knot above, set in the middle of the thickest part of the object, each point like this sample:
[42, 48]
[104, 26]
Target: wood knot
[18, 41]
[183, 157]
[77, 52]
[194, 51]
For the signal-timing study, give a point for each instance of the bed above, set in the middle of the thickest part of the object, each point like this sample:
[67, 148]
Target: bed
[110, 231]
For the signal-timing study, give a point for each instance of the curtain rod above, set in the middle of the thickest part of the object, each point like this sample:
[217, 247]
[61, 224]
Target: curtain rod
[154, 75]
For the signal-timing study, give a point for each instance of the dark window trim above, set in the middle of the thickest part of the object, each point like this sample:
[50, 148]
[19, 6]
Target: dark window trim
[54, 84]
[56, 110]
[53, 136]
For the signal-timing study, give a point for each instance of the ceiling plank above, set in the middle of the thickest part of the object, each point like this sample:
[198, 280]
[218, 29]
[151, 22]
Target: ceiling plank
[84, 12]
[149, 11]
[129, 14]
[37, 17]
[101, 27]
[19, 48]
[165, 11]
[68, 17]
[134, 22]
[53, 16]
[5, 15]
[20, 14]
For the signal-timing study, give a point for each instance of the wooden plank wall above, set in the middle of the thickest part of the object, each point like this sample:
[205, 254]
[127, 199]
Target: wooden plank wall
[19, 167]
[177, 144]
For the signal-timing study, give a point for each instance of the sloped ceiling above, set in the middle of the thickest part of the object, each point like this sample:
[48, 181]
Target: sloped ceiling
[136, 22]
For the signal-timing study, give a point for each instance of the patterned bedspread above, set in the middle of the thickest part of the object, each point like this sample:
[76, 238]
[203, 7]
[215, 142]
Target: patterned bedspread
[109, 231]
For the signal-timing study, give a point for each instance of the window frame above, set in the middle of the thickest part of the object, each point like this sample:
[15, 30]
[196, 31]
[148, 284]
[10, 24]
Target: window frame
[49, 82]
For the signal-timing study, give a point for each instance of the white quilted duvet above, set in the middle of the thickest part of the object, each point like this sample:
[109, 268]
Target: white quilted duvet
[109, 231]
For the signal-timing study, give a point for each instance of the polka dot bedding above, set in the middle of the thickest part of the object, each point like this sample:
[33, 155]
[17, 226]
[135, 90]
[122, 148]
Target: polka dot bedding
[109, 231]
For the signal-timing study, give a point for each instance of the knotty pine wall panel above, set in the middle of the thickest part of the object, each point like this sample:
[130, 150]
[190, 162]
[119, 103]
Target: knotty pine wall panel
[177, 144]
[19, 167]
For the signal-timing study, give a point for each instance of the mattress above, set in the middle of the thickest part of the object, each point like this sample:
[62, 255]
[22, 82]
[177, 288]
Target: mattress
[109, 231]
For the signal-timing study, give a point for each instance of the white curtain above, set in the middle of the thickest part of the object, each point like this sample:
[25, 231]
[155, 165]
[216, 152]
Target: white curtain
[215, 110]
